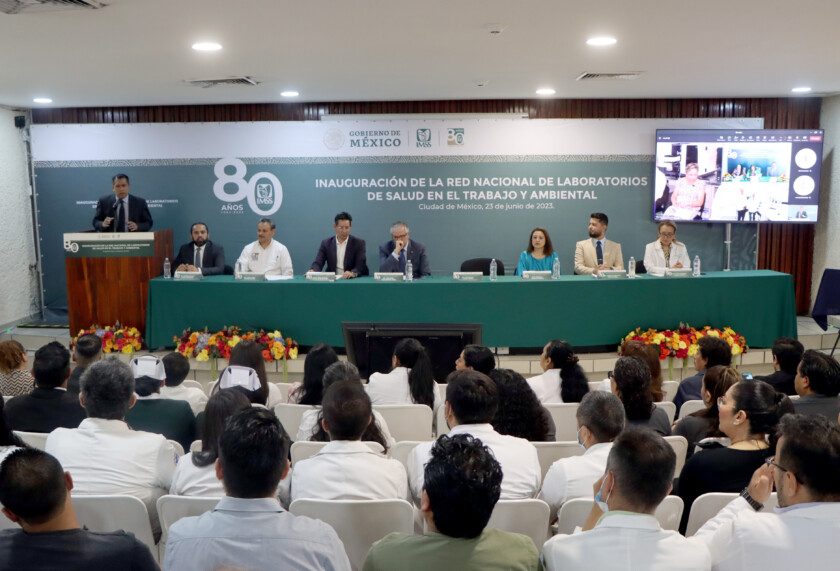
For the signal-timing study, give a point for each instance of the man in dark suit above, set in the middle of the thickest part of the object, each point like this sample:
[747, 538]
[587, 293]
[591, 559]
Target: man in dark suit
[394, 253]
[120, 212]
[787, 352]
[344, 254]
[49, 405]
[201, 255]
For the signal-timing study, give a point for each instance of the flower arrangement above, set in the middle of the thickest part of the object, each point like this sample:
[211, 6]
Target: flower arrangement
[204, 346]
[115, 338]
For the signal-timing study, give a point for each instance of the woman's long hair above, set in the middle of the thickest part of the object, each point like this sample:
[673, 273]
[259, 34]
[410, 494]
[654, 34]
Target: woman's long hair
[632, 379]
[650, 355]
[421, 382]
[520, 412]
[573, 381]
[220, 407]
[548, 249]
[716, 381]
[764, 406]
[317, 360]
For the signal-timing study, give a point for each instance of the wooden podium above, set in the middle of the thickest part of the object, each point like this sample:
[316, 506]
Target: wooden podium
[108, 276]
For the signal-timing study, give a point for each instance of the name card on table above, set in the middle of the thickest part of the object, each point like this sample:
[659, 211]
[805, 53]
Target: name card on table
[536, 275]
[678, 272]
[612, 274]
[468, 276]
[188, 276]
[321, 276]
[251, 276]
[389, 276]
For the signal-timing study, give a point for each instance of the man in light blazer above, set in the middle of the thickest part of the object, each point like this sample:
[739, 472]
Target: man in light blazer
[597, 253]
[122, 212]
[394, 253]
[200, 255]
[344, 254]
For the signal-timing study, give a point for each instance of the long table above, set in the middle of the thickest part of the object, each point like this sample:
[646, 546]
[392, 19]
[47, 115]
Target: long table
[585, 311]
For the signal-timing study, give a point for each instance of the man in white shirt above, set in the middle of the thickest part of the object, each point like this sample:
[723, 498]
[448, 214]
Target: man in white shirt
[803, 532]
[600, 419]
[104, 455]
[266, 255]
[346, 468]
[177, 368]
[471, 403]
[621, 531]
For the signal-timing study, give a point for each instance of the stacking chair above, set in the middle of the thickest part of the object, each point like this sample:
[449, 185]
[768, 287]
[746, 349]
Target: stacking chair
[401, 450]
[34, 439]
[565, 420]
[172, 508]
[113, 512]
[551, 452]
[407, 421]
[290, 416]
[691, 406]
[680, 446]
[707, 506]
[670, 389]
[574, 512]
[528, 517]
[669, 407]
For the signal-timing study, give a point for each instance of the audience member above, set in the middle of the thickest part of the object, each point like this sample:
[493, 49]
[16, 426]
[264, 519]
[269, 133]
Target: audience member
[49, 405]
[787, 352]
[462, 482]
[195, 474]
[802, 533]
[703, 427]
[520, 412]
[15, 378]
[249, 354]
[176, 368]
[311, 390]
[104, 455]
[748, 414]
[631, 383]
[35, 494]
[87, 351]
[563, 379]
[346, 468]
[711, 351]
[817, 384]
[471, 403]
[9, 441]
[600, 419]
[650, 355]
[621, 531]
[477, 358]
[249, 529]
[411, 380]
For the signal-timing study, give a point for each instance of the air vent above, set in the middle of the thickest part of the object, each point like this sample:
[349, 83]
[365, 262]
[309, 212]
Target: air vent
[29, 6]
[604, 76]
[205, 83]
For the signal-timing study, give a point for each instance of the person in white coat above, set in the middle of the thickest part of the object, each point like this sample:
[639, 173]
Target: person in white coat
[411, 381]
[666, 252]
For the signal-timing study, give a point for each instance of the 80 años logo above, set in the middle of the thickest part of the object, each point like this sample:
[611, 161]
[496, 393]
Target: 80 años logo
[263, 190]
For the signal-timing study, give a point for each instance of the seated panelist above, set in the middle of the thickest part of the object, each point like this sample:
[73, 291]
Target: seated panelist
[666, 252]
[200, 255]
[597, 253]
[539, 255]
[394, 253]
[343, 254]
[266, 255]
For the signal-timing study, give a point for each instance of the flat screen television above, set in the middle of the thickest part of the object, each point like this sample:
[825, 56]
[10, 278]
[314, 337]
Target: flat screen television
[737, 175]
[370, 345]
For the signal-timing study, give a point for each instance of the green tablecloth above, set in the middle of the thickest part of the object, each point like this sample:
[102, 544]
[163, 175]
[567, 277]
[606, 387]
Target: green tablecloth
[514, 312]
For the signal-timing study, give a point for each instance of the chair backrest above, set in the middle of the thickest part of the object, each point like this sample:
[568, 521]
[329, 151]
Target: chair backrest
[528, 517]
[670, 389]
[691, 406]
[172, 508]
[564, 419]
[482, 265]
[290, 416]
[110, 513]
[192, 385]
[596, 385]
[303, 449]
[441, 427]
[195, 446]
[551, 452]
[179, 450]
[284, 390]
[441, 389]
[574, 512]
[707, 506]
[407, 421]
[401, 450]
[34, 439]
[359, 523]
[680, 446]
[669, 407]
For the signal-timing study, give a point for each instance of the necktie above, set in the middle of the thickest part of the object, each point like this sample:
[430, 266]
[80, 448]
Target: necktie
[402, 261]
[120, 227]
[599, 252]
[197, 263]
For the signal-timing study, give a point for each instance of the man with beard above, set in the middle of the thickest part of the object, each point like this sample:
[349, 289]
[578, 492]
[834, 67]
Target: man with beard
[201, 255]
[597, 253]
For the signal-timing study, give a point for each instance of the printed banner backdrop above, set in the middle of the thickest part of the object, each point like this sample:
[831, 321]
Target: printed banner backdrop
[467, 188]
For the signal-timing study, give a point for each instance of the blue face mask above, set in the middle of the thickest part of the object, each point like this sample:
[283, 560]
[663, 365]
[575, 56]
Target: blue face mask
[601, 501]
[580, 442]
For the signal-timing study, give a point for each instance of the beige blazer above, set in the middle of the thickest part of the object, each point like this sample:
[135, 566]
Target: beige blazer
[586, 262]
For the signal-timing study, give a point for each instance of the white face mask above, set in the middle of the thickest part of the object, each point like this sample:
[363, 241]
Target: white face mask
[580, 442]
[601, 501]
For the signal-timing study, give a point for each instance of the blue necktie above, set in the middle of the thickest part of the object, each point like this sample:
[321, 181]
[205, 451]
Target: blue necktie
[402, 261]
[599, 252]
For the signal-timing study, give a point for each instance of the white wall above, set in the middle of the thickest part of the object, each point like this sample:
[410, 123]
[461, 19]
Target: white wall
[827, 239]
[18, 285]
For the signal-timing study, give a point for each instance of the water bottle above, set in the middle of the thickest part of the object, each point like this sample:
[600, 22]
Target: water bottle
[631, 267]
[237, 274]
[409, 271]
[167, 269]
[494, 269]
[555, 269]
[695, 267]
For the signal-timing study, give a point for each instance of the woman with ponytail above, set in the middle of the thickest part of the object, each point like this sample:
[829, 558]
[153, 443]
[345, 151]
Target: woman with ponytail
[563, 379]
[410, 381]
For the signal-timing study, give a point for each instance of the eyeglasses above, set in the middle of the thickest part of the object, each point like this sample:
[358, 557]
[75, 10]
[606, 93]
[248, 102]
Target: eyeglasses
[667, 234]
[399, 236]
[771, 461]
[610, 375]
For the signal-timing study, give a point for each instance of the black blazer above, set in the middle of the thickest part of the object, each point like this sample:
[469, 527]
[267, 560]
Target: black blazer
[44, 410]
[212, 261]
[355, 258]
[138, 212]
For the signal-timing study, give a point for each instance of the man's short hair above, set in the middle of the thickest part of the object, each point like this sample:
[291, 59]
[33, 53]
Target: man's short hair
[253, 451]
[347, 410]
[601, 217]
[32, 485]
[463, 481]
[51, 365]
[88, 347]
[107, 387]
[690, 166]
[643, 465]
[119, 176]
[194, 224]
[479, 358]
[472, 395]
[823, 372]
[602, 413]
[344, 216]
[788, 352]
[268, 221]
[177, 368]
[715, 350]
[399, 224]
[811, 452]
[340, 371]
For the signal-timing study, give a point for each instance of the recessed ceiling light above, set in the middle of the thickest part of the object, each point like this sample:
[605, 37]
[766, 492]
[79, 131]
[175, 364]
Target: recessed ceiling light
[600, 41]
[289, 93]
[802, 89]
[545, 91]
[206, 46]
[42, 100]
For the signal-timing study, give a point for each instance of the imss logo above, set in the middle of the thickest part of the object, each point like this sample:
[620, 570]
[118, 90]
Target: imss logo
[424, 138]
[262, 190]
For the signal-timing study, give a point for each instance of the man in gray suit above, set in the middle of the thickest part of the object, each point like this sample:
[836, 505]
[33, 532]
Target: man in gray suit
[597, 253]
[394, 253]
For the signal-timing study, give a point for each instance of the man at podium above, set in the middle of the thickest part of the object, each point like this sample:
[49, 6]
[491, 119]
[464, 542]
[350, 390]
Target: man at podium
[121, 212]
